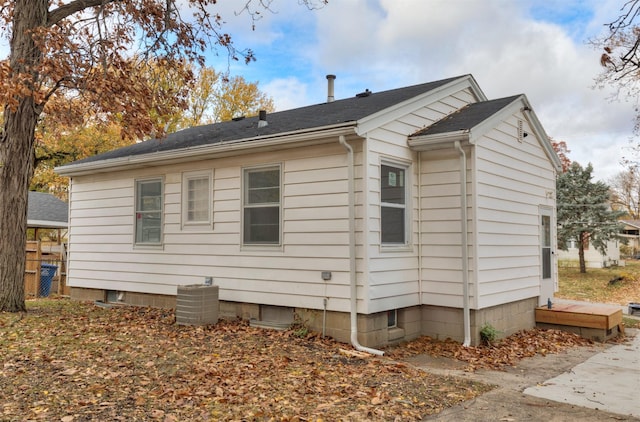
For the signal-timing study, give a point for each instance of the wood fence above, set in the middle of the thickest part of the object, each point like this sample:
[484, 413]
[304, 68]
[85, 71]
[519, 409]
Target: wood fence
[39, 253]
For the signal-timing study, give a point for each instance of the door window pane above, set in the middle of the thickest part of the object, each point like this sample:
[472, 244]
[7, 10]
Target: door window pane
[546, 246]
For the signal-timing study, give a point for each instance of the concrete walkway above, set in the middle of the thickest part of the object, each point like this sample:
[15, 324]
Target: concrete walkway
[609, 381]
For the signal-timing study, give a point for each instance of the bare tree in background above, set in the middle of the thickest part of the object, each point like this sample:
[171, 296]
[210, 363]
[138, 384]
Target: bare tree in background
[625, 192]
[620, 55]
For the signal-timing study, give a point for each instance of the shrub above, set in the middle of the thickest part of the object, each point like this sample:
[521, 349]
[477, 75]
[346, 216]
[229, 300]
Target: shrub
[488, 334]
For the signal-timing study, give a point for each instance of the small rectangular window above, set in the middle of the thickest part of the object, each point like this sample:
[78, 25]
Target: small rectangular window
[262, 206]
[392, 318]
[196, 198]
[393, 206]
[149, 211]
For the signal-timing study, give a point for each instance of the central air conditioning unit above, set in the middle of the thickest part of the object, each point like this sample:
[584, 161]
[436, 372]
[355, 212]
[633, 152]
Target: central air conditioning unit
[197, 304]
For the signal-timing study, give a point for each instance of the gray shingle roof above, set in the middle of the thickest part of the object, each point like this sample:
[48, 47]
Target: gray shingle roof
[46, 207]
[467, 117]
[314, 116]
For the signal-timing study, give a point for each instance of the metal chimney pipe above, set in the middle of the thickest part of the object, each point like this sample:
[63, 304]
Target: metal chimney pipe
[330, 80]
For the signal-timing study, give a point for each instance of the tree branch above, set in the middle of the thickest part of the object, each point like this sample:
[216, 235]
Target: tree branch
[75, 6]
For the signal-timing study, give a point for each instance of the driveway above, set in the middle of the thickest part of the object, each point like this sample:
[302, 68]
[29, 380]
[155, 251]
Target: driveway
[609, 380]
[590, 384]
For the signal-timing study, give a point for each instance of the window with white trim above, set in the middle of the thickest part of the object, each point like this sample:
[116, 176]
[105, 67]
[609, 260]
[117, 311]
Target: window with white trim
[148, 222]
[196, 198]
[261, 207]
[393, 204]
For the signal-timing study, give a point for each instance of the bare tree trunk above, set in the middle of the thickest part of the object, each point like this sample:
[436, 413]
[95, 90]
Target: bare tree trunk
[16, 156]
[583, 266]
[583, 240]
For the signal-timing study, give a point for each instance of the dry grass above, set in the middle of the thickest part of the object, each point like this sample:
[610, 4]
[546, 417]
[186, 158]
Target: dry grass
[615, 285]
[597, 284]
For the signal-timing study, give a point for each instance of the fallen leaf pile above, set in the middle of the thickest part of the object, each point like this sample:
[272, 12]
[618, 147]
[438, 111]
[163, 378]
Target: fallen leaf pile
[71, 361]
[506, 352]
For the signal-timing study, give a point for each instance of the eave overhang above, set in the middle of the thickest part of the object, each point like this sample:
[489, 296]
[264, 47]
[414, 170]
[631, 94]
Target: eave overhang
[45, 224]
[439, 141]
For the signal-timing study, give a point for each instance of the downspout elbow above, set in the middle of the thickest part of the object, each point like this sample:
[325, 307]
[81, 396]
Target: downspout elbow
[352, 253]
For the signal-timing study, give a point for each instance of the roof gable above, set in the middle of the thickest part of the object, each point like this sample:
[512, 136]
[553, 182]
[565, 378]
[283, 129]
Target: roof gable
[475, 119]
[467, 117]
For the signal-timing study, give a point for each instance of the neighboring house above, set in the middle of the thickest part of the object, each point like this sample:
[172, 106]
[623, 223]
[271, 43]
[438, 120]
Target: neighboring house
[424, 210]
[45, 211]
[593, 258]
[631, 233]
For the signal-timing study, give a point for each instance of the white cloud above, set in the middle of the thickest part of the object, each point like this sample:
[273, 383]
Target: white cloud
[509, 47]
[287, 93]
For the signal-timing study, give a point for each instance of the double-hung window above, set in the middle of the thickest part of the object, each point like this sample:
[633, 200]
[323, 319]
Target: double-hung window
[261, 208]
[196, 200]
[148, 211]
[393, 204]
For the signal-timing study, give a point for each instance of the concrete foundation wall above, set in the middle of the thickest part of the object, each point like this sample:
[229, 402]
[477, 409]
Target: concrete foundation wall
[437, 322]
[441, 323]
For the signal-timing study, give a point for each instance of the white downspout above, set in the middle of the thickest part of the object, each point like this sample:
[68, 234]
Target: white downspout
[420, 228]
[352, 251]
[465, 245]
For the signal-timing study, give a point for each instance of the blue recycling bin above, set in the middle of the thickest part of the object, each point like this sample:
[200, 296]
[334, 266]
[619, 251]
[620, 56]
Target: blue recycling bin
[47, 271]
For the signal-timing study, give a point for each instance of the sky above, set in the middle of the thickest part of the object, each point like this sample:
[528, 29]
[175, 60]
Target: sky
[536, 47]
[539, 48]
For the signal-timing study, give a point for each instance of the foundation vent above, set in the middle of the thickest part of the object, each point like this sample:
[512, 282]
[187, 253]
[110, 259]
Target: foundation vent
[197, 304]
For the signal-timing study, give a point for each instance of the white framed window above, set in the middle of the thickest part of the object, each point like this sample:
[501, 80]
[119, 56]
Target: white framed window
[393, 204]
[261, 206]
[196, 198]
[148, 217]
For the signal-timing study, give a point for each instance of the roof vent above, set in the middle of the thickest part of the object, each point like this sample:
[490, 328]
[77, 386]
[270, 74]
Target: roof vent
[237, 119]
[262, 122]
[330, 80]
[366, 93]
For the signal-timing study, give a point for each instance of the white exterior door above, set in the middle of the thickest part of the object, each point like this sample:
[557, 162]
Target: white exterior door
[548, 283]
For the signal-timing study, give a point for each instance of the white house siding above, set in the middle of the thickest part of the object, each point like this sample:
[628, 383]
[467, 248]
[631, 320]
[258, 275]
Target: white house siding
[394, 271]
[314, 231]
[441, 229]
[512, 180]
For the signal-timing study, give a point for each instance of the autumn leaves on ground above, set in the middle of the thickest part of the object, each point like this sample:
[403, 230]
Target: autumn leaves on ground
[72, 361]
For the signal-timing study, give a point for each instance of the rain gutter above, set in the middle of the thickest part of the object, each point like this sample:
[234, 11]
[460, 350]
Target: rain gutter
[304, 137]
